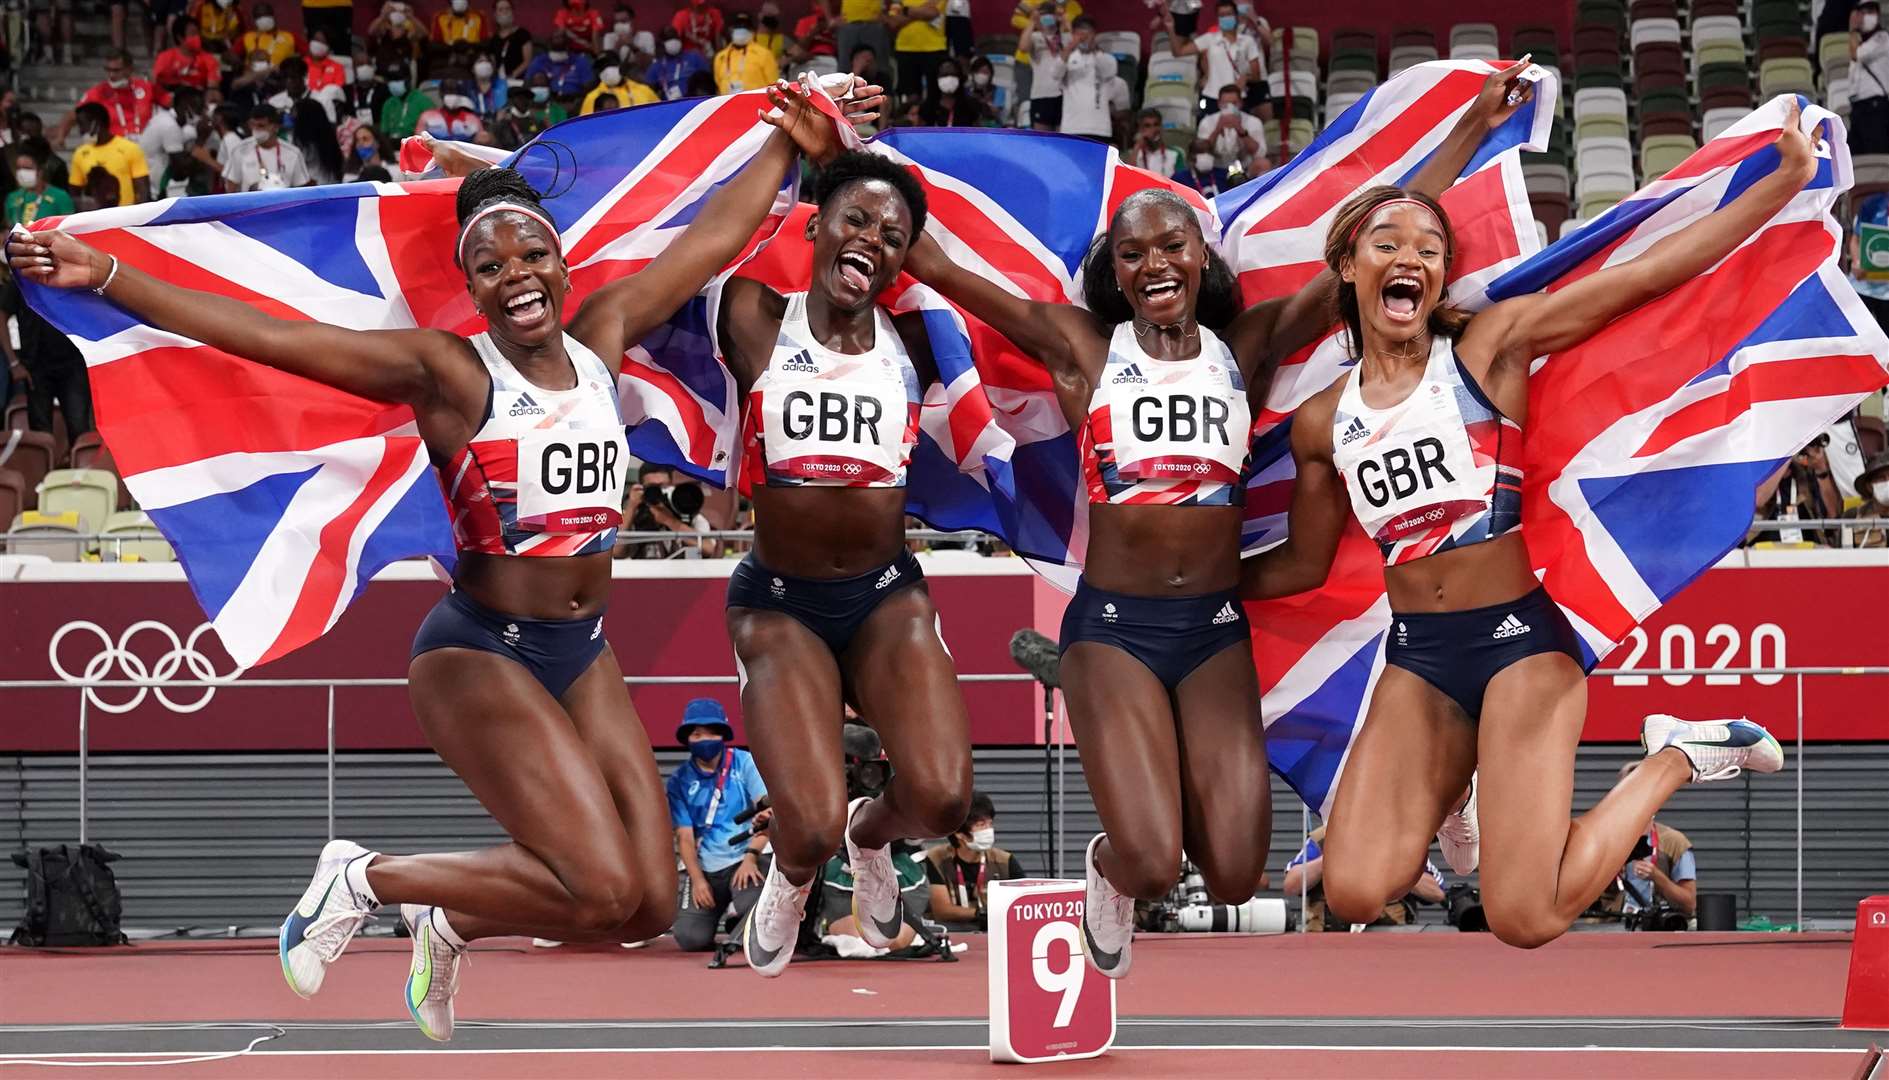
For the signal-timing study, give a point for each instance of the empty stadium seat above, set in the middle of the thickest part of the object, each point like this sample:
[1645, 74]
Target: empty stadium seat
[1304, 84]
[12, 494]
[1716, 121]
[1409, 56]
[1120, 42]
[1474, 41]
[31, 454]
[1786, 76]
[1646, 32]
[1167, 69]
[53, 536]
[1304, 46]
[1661, 154]
[91, 493]
[131, 537]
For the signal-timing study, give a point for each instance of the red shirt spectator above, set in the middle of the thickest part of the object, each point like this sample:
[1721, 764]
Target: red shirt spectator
[129, 106]
[815, 32]
[581, 22]
[187, 64]
[323, 69]
[700, 26]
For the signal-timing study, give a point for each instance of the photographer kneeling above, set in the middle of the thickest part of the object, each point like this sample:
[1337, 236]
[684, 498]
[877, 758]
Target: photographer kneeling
[657, 502]
[706, 792]
[961, 871]
[1658, 889]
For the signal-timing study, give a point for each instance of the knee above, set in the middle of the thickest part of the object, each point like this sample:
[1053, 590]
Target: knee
[936, 801]
[1233, 881]
[604, 900]
[695, 935]
[1145, 871]
[656, 915]
[808, 842]
[1352, 898]
[1522, 927]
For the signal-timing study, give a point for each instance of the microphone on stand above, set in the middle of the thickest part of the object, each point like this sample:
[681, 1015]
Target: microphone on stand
[1038, 655]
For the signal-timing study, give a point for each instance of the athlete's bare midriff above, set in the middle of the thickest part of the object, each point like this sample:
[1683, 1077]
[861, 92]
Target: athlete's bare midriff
[820, 531]
[572, 587]
[1492, 572]
[1163, 550]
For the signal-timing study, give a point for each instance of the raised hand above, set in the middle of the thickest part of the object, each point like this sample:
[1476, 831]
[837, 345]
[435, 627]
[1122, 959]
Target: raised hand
[57, 259]
[1502, 93]
[1797, 150]
[794, 113]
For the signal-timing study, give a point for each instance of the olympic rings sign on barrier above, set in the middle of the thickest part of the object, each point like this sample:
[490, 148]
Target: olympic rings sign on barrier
[183, 653]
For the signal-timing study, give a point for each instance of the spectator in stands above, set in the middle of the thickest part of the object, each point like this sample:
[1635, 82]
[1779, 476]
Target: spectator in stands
[400, 114]
[1235, 138]
[959, 39]
[700, 24]
[52, 24]
[863, 63]
[961, 869]
[109, 153]
[669, 73]
[1869, 80]
[34, 198]
[395, 34]
[1228, 52]
[1872, 485]
[1664, 873]
[581, 23]
[295, 90]
[228, 130]
[1802, 488]
[1027, 14]
[250, 87]
[949, 104]
[460, 25]
[314, 135]
[706, 792]
[1150, 150]
[488, 90]
[567, 73]
[631, 48]
[1186, 16]
[163, 134]
[622, 92]
[984, 86]
[186, 64]
[767, 31]
[263, 162]
[1042, 40]
[1090, 101]
[651, 506]
[814, 34]
[527, 114]
[127, 100]
[333, 20]
[278, 44]
[368, 94]
[221, 24]
[327, 77]
[55, 370]
[1305, 874]
[862, 22]
[743, 65]
[511, 41]
[363, 152]
[918, 45]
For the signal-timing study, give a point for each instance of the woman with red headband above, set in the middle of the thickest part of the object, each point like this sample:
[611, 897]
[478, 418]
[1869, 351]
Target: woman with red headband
[511, 676]
[1422, 443]
[1160, 374]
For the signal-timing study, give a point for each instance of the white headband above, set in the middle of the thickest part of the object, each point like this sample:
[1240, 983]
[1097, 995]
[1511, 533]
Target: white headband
[459, 255]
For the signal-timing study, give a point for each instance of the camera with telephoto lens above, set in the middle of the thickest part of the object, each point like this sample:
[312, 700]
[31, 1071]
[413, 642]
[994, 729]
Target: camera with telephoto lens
[684, 500]
[1189, 908]
[1659, 916]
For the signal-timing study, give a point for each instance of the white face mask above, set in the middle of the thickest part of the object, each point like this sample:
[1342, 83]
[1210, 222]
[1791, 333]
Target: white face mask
[558, 56]
[482, 69]
[118, 84]
[457, 101]
[502, 16]
[1870, 22]
[1203, 163]
[397, 18]
[741, 35]
[612, 75]
[459, 7]
[672, 46]
[948, 84]
[259, 66]
[981, 78]
[265, 23]
[983, 839]
[318, 49]
[623, 29]
[27, 178]
[1878, 490]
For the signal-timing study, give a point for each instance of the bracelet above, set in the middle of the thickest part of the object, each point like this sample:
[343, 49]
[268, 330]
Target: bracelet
[109, 275]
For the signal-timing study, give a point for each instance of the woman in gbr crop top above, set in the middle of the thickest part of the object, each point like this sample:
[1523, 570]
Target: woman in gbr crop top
[511, 677]
[830, 607]
[1160, 376]
[1421, 443]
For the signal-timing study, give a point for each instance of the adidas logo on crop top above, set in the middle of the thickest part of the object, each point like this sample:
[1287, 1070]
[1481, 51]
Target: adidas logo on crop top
[821, 417]
[1167, 431]
[545, 474]
[1440, 469]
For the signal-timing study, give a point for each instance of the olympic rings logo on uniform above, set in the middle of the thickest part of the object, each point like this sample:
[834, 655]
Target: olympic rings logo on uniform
[183, 653]
[853, 468]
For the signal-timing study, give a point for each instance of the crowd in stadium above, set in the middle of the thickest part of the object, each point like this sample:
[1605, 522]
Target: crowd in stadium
[1208, 93]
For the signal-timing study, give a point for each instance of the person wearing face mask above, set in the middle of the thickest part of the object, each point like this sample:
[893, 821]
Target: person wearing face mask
[364, 97]
[611, 84]
[632, 48]
[581, 23]
[1045, 41]
[455, 117]
[488, 92]
[511, 44]
[400, 114]
[297, 89]
[221, 24]
[744, 65]
[108, 153]
[459, 24]
[326, 77]
[1235, 138]
[674, 66]
[363, 153]
[918, 45]
[165, 139]
[332, 21]
[567, 73]
[34, 198]
[253, 83]
[982, 86]
[1229, 53]
[128, 101]
[961, 870]
[1088, 103]
[706, 792]
[1869, 80]
[528, 113]
[1873, 486]
[1150, 150]
[266, 37]
[264, 162]
[396, 32]
[1029, 13]
[700, 24]
[187, 64]
[949, 104]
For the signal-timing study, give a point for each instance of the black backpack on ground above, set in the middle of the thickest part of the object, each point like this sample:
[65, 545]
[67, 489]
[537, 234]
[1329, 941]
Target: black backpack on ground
[71, 897]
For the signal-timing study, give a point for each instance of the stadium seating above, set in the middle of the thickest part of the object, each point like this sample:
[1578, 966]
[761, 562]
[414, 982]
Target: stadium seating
[12, 494]
[1474, 41]
[54, 536]
[90, 493]
[32, 454]
[131, 537]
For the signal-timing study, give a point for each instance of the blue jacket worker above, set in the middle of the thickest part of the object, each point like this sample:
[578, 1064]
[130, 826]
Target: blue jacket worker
[706, 792]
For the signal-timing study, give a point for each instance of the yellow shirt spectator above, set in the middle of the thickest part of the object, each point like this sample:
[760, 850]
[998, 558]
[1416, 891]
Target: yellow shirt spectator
[921, 35]
[119, 157]
[218, 24]
[775, 43]
[861, 10]
[628, 92]
[1019, 20]
[745, 67]
[467, 29]
[279, 44]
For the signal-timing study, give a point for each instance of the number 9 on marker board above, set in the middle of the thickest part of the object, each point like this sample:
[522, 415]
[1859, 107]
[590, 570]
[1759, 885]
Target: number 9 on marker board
[1046, 1002]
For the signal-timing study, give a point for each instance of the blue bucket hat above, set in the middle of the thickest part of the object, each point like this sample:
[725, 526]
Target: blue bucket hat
[704, 712]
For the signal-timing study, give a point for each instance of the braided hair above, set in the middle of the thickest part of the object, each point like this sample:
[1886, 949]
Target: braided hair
[492, 187]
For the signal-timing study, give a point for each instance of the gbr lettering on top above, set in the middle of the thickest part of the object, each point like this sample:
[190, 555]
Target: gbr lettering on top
[571, 480]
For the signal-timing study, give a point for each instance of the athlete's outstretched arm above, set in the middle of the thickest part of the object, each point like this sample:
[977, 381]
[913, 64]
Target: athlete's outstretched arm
[1055, 335]
[1316, 519]
[623, 312]
[384, 365]
[1517, 331]
[1266, 333]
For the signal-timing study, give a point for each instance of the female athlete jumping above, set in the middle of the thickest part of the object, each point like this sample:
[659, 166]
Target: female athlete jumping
[511, 677]
[1422, 441]
[1157, 655]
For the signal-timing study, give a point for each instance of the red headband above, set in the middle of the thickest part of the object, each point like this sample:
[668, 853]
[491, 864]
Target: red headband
[1355, 229]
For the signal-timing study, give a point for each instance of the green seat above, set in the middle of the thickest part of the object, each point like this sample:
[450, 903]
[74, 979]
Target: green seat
[1354, 61]
[1722, 77]
[1792, 76]
[1719, 52]
[1661, 154]
[1602, 125]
